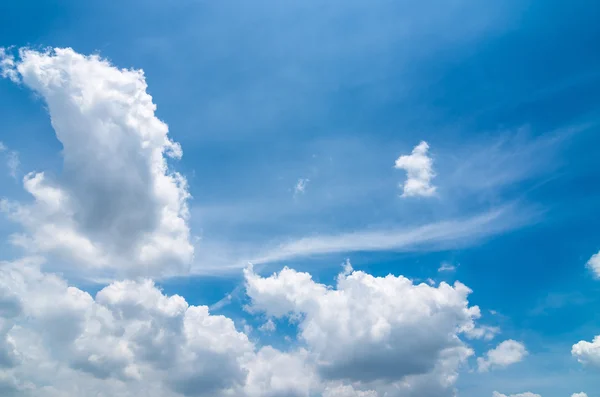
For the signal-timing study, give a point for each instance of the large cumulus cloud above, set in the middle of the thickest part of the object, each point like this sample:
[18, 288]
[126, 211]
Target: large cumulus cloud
[116, 204]
[382, 332]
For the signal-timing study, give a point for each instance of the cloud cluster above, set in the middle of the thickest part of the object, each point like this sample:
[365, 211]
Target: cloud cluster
[116, 204]
[118, 208]
[129, 335]
[361, 338]
[369, 330]
[419, 172]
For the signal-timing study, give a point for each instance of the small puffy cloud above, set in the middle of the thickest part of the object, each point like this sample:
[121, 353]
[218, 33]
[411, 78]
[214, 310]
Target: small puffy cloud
[300, 187]
[484, 332]
[8, 66]
[13, 162]
[506, 353]
[419, 172]
[587, 352]
[579, 395]
[268, 326]
[446, 267]
[116, 205]
[594, 264]
[526, 394]
[362, 331]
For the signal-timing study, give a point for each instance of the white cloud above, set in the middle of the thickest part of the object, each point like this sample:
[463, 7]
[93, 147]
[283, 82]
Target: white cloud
[13, 163]
[484, 332]
[117, 208]
[579, 395]
[116, 205]
[300, 187]
[419, 172]
[128, 335]
[594, 264]
[506, 353]
[132, 339]
[446, 267]
[526, 394]
[347, 391]
[7, 66]
[587, 352]
[12, 160]
[268, 326]
[369, 329]
[277, 374]
[432, 236]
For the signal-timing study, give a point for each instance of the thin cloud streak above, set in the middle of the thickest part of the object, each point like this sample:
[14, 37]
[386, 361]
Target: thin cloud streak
[429, 237]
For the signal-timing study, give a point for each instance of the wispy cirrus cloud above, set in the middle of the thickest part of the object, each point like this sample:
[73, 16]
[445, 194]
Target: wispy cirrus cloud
[432, 236]
[11, 158]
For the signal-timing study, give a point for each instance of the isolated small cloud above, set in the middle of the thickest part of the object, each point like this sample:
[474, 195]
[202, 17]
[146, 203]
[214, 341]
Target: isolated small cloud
[300, 187]
[446, 267]
[484, 332]
[579, 395]
[13, 163]
[594, 264]
[506, 353]
[12, 159]
[268, 326]
[419, 172]
[8, 66]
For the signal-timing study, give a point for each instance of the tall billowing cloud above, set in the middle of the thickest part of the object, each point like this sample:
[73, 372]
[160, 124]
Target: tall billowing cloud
[506, 353]
[116, 204]
[419, 172]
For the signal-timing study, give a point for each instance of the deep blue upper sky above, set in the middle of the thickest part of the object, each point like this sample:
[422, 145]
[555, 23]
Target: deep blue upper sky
[261, 94]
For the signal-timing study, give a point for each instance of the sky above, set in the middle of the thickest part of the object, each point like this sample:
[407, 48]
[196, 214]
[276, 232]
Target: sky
[299, 199]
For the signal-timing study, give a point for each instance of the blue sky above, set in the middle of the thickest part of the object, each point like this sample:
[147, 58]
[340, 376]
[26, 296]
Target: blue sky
[265, 95]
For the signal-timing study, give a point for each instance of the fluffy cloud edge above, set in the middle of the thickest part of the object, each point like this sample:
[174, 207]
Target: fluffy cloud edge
[419, 172]
[117, 206]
